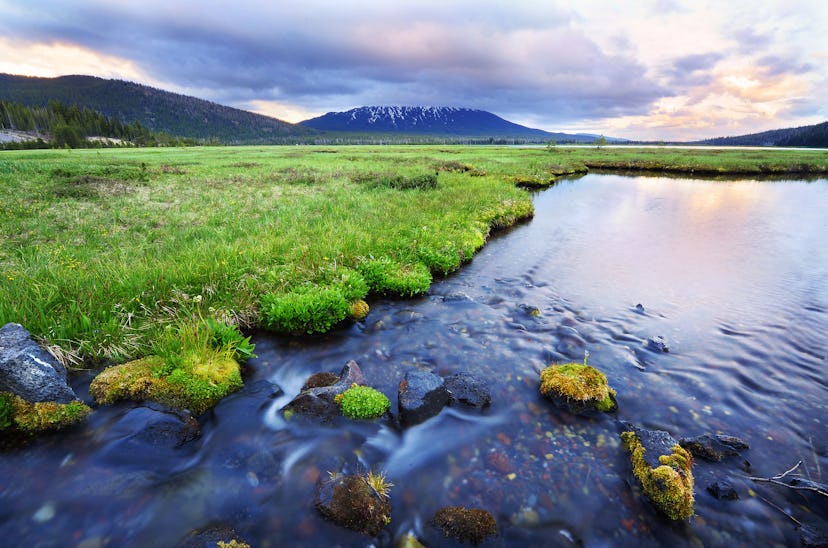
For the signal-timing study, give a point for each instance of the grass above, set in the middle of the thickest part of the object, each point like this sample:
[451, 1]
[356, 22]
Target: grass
[101, 251]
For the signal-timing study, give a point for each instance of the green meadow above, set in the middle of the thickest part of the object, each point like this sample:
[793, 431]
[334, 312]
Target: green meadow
[105, 252]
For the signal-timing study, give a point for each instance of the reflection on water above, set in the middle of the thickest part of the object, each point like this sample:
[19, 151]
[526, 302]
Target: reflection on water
[734, 275]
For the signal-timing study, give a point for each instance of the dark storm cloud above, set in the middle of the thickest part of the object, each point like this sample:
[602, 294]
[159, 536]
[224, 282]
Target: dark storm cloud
[501, 58]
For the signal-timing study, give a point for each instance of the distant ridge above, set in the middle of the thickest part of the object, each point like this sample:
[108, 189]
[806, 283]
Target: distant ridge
[155, 109]
[434, 121]
[803, 136]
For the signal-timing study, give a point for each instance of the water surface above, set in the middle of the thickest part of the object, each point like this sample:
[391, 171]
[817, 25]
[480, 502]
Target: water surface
[733, 275]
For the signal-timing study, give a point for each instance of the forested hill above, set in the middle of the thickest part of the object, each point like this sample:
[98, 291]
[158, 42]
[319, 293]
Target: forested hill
[804, 136]
[155, 109]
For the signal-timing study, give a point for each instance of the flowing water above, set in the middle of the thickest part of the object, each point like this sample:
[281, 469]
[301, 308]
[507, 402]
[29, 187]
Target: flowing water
[733, 275]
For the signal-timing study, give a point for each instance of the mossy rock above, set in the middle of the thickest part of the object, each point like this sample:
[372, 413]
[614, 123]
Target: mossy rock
[663, 468]
[578, 387]
[359, 310]
[198, 385]
[352, 501]
[33, 417]
[465, 524]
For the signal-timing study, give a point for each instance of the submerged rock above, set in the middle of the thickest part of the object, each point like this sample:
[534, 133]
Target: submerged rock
[421, 395]
[466, 389]
[578, 388]
[714, 447]
[657, 344]
[29, 371]
[465, 524]
[213, 536]
[357, 502]
[722, 490]
[317, 398]
[662, 467]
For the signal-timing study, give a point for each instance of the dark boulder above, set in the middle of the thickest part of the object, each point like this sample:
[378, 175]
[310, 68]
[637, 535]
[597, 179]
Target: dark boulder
[29, 371]
[422, 395]
[714, 448]
[318, 401]
[468, 390]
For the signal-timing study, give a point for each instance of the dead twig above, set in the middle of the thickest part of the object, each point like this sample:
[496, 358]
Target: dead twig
[797, 482]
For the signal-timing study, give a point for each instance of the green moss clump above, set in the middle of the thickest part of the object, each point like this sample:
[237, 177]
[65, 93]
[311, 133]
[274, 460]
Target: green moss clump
[578, 384]
[388, 277]
[670, 485]
[32, 417]
[307, 309]
[364, 402]
[197, 384]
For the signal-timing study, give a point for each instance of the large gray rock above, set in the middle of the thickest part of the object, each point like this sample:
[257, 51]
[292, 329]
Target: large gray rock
[29, 371]
[318, 401]
[422, 395]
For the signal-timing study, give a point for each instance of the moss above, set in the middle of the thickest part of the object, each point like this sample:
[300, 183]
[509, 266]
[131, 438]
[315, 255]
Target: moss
[359, 309]
[670, 485]
[363, 402]
[197, 384]
[32, 417]
[472, 524]
[578, 384]
[6, 410]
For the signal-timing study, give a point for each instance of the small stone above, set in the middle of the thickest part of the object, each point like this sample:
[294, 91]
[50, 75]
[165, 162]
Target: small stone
[44, 513]
[722, 490]
[351, 502]
[714, 448]
[658, 344]
[28, 371]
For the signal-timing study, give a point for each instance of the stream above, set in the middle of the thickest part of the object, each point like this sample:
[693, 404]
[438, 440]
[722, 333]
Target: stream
[733, 275]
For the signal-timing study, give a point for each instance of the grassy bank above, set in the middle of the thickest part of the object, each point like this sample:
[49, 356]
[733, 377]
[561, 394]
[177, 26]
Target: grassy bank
[102, 251]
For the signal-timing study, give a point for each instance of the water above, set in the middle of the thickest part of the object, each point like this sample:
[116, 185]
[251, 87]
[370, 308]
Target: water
[733, 275]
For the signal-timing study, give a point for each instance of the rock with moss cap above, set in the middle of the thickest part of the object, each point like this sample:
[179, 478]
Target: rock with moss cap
[197, 386]
[318, 395]
[357, 502]
[465, 524]
[577, 387]
[17, 414]
[663, 468]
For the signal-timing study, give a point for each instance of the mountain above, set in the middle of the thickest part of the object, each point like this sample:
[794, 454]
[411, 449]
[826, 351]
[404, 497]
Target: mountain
[803, 136]
[433, 121]
[158, 110]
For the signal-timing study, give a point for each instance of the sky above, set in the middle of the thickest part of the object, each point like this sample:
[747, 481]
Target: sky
[636, 69]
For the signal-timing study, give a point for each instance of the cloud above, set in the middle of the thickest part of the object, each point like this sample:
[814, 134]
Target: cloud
[664, 65]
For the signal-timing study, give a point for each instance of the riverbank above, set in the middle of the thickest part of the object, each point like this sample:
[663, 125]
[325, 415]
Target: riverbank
[103, 250]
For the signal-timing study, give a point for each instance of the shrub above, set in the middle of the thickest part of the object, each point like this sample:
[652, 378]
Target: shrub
[307, 309]
[364, 402]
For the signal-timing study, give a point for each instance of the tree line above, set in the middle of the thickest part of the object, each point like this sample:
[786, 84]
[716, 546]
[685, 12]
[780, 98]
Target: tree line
[57, 125]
